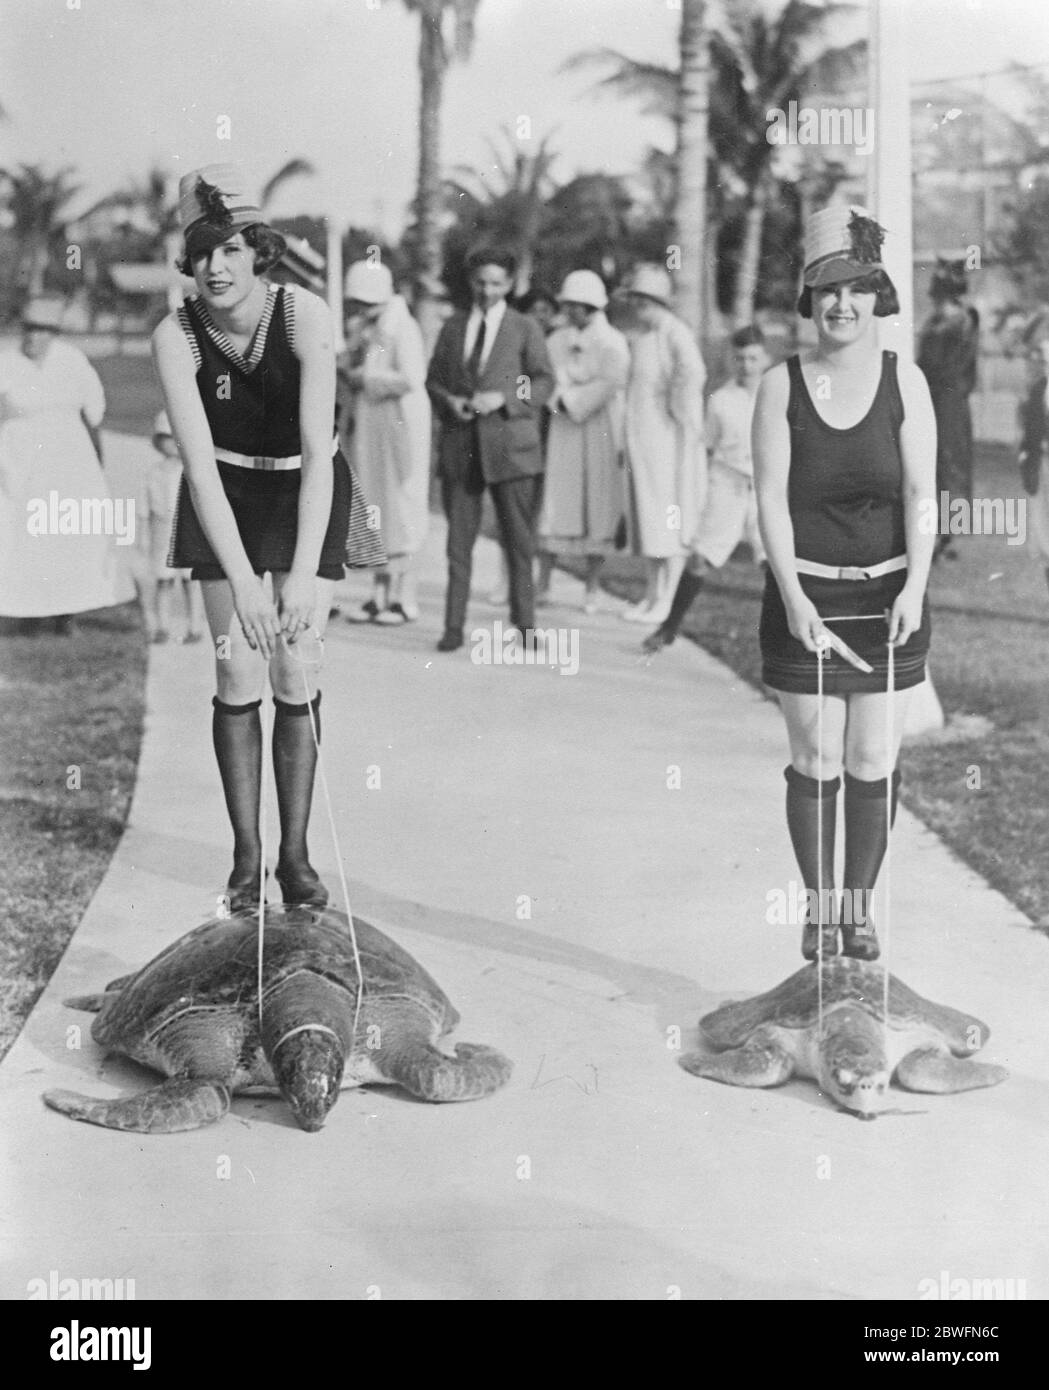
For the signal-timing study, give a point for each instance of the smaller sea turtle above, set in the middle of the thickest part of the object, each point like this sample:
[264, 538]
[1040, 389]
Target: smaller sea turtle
[192, 1014]
[766, 1040]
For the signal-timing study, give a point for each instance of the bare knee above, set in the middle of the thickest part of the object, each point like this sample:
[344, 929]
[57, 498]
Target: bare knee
[293, 681]
[238, 679]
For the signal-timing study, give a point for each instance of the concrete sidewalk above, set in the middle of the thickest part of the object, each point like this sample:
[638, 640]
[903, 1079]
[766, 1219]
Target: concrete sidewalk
[603, 1170]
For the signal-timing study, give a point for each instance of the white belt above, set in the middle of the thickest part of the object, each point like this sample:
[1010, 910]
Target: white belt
[267, 463]
[898, 562]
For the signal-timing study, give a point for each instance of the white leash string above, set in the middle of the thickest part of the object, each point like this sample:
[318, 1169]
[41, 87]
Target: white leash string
[263, 821]
[262, 860]
[334, 833]
[887, 878]
[822, 650]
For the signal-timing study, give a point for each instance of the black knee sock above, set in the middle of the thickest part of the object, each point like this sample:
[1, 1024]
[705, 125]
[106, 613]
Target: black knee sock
[236, 732]
[294, 765]
[809, 800]
[866, 839]
[688, 586]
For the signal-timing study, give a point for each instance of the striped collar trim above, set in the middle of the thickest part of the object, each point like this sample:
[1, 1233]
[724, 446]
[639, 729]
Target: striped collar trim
[258, 346]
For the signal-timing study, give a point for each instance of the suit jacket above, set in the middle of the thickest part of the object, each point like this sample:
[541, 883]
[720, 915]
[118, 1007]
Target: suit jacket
[1033, 434]
[509, 439]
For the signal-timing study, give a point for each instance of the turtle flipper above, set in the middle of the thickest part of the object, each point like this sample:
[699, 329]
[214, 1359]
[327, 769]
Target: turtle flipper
[474, 1071]
[166, 1109]
[761, 1061]
[88, 1003]
[934, 1071]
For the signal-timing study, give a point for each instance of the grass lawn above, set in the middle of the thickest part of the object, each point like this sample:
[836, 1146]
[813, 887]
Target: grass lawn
[987, 796]
[66, 704]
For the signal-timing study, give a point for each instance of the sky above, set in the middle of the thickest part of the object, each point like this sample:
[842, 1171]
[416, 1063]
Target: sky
[113, 86]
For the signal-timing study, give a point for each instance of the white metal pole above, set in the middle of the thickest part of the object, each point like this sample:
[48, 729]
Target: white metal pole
[333, 259]
[889, 169]
[889, 200]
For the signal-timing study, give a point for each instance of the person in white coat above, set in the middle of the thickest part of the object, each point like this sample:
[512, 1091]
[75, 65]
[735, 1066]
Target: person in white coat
[390, 443]
[59, 525]
[665, 447]
[583, 498]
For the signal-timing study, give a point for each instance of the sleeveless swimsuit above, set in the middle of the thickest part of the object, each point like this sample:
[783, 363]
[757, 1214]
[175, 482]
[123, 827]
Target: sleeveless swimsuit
[252, 408]
[845, 494]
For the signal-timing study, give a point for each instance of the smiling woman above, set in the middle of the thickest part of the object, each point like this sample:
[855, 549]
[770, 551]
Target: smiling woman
[248, 374]
[844, 448]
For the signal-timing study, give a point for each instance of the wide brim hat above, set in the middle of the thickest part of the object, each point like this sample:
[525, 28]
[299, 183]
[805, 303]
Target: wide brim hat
[215, 202]
[584, 287]
[650, 282]
[368, 282]
[44, 311]
[842, 243]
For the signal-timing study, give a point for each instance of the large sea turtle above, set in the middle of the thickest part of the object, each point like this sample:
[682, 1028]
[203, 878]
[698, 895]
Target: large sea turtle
[766, 1040]
[192, 1014]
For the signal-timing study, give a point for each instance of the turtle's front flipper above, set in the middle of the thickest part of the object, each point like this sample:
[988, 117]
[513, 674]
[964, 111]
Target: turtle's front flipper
[929, 1069]
[474, 1071]
[761, 1061]
[89, 1003]
[166, 1109]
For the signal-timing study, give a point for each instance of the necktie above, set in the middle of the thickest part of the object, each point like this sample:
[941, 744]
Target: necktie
[473, 366]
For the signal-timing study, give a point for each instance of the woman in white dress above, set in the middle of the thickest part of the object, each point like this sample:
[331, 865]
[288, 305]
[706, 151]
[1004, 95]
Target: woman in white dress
[583, 494]
[664, 438]
[390, 444]
[58, 523]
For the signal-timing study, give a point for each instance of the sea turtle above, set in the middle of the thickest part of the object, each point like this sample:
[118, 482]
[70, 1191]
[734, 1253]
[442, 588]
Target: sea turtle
[766, 1040]
[192, 1014]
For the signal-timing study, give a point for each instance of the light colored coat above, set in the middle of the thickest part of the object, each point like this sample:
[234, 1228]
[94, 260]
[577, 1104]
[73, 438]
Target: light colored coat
[583, 499]
[390, 443]
[664, 436]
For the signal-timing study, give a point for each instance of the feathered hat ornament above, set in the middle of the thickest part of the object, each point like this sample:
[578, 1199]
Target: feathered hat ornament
[215, 211]
[842, 242]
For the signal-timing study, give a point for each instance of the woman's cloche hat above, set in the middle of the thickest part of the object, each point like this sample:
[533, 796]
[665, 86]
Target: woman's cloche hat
[584, 287]
[368, 282]
[842, 243]
[650, 281]
[44, 311]
[214, 202]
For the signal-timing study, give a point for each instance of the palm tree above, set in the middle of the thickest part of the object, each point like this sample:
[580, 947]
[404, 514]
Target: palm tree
[35, 201]
[292, 170]
[756, 63]
[691, 118]
[508, 198]
[435, 55]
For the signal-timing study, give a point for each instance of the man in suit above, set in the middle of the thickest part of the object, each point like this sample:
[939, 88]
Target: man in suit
[489, 378]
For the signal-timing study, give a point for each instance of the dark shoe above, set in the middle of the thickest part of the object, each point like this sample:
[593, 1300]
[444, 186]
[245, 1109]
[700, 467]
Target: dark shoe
[810, 941]
[242, 891]
[366, 613]
[860, 941]
[294, 765]
[450, 642]
[300, 886]
[656, 641]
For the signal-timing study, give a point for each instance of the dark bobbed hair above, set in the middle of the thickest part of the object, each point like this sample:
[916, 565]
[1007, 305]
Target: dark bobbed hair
[492, 255]
[749, 336]
[267, 244]
[538, 295]
[886, 300]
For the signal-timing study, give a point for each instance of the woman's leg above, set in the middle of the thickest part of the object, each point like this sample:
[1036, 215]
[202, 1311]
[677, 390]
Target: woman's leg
[813, 780]
[867, 821]
[236, 730]
[295, 677]
[546, 569]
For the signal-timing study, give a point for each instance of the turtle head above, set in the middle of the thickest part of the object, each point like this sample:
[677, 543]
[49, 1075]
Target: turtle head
[854, 1071]
[308, 1065]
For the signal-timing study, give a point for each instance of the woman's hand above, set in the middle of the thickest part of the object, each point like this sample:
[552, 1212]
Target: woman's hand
[257, 616]
[298, 600]
[906, 616]
[805, 623]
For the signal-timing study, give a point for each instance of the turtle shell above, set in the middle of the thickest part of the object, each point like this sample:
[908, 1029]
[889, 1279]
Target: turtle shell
[794, 1004]
[215, 966]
